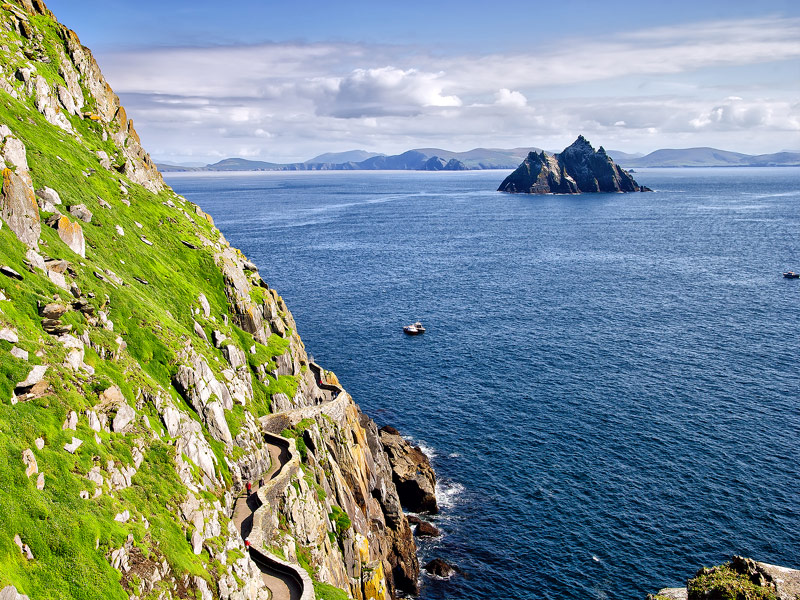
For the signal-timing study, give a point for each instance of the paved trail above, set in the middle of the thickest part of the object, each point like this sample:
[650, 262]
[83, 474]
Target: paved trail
[281, 586]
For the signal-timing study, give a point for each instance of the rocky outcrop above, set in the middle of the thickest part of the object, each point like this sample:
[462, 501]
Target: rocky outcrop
[578, 169]
[71, 234]
[18, 206]
[741, 578]
[411, 471]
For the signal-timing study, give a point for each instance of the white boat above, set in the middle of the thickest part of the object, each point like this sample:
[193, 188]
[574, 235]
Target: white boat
[414, 329]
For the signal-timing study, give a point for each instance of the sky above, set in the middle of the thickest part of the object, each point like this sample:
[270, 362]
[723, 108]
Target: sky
[285, 81]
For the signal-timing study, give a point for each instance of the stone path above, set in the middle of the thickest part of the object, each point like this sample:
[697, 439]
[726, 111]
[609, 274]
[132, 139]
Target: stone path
[281, 586]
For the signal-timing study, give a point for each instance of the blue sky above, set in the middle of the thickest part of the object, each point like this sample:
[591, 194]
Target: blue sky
[285, 81]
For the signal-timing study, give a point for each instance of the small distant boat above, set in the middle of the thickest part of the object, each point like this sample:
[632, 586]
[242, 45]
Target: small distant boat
[791, 275]
[414, 329]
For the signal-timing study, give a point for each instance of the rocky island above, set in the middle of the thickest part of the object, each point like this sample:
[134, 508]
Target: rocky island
[578, 169]
[163, 431]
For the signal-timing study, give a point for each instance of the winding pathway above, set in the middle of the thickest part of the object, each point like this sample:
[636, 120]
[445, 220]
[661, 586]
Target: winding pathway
[284, 580]
[282, 585]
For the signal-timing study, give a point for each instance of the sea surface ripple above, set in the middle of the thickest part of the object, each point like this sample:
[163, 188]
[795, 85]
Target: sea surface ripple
[609, 383]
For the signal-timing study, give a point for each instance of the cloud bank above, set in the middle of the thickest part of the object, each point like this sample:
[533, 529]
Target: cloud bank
[702, 84]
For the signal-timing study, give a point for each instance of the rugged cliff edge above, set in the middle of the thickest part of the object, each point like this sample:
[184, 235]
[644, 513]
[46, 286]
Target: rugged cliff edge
[144, 363]
[579, 168]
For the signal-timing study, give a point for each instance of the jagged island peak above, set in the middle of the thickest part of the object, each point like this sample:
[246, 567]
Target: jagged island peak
[577, 169]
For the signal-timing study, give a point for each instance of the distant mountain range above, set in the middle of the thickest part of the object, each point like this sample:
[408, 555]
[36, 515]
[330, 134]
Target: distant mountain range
[437, 159]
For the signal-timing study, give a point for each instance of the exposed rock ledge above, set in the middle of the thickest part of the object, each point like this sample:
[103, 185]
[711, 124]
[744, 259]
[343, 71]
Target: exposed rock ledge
[579, 168]
[411, 471]
[740, 578]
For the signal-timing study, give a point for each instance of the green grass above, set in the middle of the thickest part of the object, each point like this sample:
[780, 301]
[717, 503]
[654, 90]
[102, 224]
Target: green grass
[71, 537]
[723, 583]
[325, 591]
[296, 433]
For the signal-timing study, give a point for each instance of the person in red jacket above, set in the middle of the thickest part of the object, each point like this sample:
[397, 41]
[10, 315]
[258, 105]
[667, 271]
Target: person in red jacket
[249, 488]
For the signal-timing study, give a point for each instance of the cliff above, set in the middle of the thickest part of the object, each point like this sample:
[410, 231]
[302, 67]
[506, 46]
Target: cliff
[578, 169]
[145, 368]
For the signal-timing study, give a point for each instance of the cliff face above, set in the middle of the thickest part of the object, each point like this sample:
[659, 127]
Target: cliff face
[579, 168]
[142, 360]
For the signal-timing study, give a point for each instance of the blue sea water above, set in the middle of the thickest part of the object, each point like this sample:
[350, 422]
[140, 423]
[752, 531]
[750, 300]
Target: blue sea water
[609, 383]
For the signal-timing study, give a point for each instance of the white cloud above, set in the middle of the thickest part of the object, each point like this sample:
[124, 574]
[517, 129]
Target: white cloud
[506, 97]
[309, 98]
[383, 91]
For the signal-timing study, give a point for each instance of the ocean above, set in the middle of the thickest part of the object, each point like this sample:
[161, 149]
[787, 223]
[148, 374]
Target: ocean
[608, 385]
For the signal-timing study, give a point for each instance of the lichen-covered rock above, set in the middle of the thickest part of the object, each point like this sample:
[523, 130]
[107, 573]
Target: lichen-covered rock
[19, 209]
[579, 168]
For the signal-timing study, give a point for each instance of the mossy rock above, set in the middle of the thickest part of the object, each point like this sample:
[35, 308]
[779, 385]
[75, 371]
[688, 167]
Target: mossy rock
[725, 583]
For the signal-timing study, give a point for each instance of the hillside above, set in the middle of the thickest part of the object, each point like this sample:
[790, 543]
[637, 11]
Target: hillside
[707, 157]
[495, 158]
[148, 373]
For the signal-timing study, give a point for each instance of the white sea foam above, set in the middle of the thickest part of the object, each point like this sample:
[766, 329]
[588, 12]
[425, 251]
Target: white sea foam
[427, 450]
[448, 493]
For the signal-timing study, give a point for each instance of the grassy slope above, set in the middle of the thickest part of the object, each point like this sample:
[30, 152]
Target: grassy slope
[71, 537]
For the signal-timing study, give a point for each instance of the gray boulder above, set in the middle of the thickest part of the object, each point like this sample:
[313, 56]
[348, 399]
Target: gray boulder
[81, 212]
[19, 209]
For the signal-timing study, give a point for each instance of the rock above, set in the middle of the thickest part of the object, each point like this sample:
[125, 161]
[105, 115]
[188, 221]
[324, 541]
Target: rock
[105, 162]
[10, 593]
[579, 168]
[24, 548]
[49, 195]
[103, 203]
[19, 209]
[112, 396]
[235, 355]
[145, 240]
[75, 353]
[84, 495]
[670, 594]
[71, 422]
[120, 230]
[55, 327]
[8, 335]
[40, 482]
[9, 272]
[54, 310]
[19, 353]
[39, 443]
[425, 529]
[412, 473]
[58, 279]
[205, 305]
[73, 446]
[80, 211]
[113, 277]
[29, 460]
[218, 338]
[197, 542]
[123, 517]
[200, 332]
[71, 234]
[35, 259]
[441, 568]
[34, 377]
[94, 422]
[125, 415]
[57, 266]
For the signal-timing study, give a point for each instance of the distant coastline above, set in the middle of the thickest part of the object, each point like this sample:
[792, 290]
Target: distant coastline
[437, 159]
